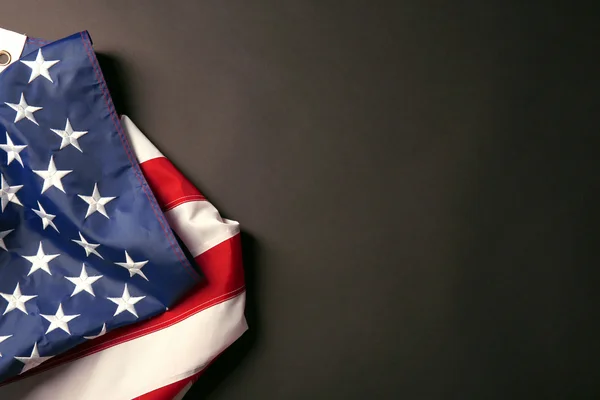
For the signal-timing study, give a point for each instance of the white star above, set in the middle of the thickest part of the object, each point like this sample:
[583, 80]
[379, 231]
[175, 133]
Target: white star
[46, 218]
[40, 67]
[24, 110]
[52, 176]
[59, 320]
[90, 248]
[12, 150]
[2, 236]
[2, 339]
[16, 300]
[83, 282]
[32, 361]
[96, 202]
[125, 302]
[102, 332]
[9, 193]
[40, 260]
[133, 267]
[69, 136]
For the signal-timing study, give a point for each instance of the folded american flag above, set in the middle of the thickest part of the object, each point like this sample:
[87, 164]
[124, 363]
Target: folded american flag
[118, 279]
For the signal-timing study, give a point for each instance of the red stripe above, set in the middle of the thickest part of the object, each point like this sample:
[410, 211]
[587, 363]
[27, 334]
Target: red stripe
[169, 185]
[168, 392]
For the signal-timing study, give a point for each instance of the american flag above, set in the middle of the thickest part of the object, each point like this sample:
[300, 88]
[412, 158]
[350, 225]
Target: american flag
[118, 278]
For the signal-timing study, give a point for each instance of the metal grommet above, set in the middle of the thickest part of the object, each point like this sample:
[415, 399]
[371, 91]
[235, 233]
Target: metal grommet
[4, 61]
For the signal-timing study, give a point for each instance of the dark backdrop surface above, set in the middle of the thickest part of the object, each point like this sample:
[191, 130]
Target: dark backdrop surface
[417, 182]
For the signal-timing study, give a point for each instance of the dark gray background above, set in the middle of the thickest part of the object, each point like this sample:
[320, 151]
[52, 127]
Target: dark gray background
[417, 182]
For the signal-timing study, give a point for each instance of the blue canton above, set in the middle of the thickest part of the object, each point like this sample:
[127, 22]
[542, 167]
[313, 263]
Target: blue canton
[84, 246]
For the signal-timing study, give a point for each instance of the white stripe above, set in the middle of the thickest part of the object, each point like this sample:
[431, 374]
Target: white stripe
[142, 147]
[142, 365]
[200, 226]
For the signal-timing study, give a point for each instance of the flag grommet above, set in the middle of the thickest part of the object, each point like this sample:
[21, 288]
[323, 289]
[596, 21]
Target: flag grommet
[5, 58]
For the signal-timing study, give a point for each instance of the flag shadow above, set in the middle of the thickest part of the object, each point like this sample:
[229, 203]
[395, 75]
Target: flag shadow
[116, 80]
[233, 356]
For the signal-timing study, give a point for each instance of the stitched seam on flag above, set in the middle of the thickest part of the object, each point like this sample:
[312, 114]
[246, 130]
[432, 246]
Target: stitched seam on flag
[180, 203]
[165, 324]
[100, 347]
[128, 151]
[192, 196]
[169, 322]
[185, 199]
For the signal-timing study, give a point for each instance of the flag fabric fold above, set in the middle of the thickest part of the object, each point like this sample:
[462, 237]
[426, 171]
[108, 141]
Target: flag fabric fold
[99, 298]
